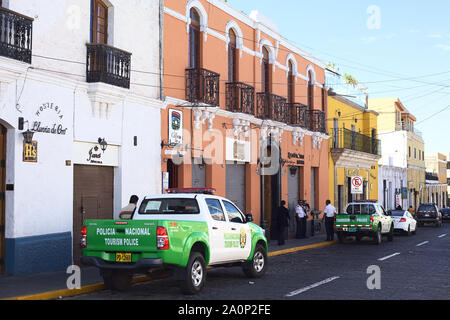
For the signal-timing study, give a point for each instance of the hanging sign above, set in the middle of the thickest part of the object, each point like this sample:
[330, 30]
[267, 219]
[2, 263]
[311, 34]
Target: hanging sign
[175, 128]
[30, 151]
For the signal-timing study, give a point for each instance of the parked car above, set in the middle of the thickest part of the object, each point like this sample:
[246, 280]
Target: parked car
[404, 221]
[429, 213]
[445, 214]
[185, 230]
[364, 218]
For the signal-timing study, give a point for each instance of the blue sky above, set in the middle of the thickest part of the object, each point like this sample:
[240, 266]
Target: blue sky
[380, 43]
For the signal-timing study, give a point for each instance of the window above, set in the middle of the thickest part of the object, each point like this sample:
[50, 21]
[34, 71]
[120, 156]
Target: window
[170, 206]
[232, 57]
[233, 213]
[415, 153]
[194, 40]
[409, 152]
[215, 209]
[99, 16]
[266, 71]
[310, 91]
[291, 84]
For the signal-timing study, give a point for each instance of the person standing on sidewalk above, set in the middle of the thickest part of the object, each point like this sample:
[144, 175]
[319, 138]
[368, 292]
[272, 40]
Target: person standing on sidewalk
[283, 223]
[301, 220]
[329, 214]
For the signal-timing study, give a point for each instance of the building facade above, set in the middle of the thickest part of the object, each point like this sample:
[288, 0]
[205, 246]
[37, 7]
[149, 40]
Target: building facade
[436, 166]
[80, 122]
[402, 147]
[246, 110]
[355, 148]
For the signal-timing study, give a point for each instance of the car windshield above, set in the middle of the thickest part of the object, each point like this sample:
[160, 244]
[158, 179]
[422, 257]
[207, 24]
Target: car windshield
[169, 206]
[398, 213]
[427, 207]
[363, 209]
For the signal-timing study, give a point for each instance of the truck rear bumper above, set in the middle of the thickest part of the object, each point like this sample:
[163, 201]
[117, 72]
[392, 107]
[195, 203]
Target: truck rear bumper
[140, 265]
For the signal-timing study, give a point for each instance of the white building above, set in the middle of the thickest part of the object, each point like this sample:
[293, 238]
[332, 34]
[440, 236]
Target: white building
[91, 96]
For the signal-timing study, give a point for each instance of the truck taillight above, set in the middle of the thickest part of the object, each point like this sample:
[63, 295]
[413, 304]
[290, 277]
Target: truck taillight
[162, 238]
[83, 241]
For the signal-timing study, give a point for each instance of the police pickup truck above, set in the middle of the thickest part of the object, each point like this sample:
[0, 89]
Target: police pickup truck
[366, 218]
[185, 230]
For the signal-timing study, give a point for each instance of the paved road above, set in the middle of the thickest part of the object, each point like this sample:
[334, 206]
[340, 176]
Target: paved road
[415, 267]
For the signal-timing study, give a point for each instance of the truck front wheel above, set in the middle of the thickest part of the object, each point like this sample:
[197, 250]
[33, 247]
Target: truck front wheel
[194, 276]
[257, 266]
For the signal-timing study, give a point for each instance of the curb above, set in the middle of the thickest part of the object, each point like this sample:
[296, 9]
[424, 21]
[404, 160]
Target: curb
[66, 293]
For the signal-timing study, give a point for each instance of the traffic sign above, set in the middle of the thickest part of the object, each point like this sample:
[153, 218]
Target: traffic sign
[357, 185]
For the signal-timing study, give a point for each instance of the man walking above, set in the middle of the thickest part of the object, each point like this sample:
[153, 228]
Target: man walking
[283, 223]
[329, 215]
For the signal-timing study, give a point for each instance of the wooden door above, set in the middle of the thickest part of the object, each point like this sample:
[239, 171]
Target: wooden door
[99, 22]
[93, 199]
[2, 196]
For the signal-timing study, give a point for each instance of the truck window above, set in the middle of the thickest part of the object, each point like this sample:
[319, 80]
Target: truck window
[169, 206]
[233, 213]
[215, 209]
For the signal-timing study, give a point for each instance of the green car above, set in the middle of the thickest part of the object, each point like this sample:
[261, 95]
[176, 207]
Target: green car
[364, 219]
[186, 231]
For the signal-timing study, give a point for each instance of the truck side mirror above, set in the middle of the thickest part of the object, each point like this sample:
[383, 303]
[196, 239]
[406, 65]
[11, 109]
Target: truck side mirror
[249, 217]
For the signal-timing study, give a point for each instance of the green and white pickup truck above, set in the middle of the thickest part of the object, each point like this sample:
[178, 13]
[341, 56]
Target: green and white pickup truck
[364, 218]
[185, 230]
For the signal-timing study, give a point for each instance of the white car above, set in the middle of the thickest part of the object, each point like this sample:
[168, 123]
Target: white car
[404, 221]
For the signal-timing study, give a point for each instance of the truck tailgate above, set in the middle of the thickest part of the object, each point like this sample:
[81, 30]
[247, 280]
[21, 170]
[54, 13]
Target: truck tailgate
[121, 236]
[344, 220]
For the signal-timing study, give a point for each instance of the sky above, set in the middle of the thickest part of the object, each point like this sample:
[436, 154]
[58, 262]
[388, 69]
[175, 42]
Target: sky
[395, 48]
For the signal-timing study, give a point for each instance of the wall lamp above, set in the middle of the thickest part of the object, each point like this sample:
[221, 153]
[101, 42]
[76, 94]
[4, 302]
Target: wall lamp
[103, 144]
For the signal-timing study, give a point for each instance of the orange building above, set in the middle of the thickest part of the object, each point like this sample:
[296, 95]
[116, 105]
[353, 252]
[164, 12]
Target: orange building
[238, 93]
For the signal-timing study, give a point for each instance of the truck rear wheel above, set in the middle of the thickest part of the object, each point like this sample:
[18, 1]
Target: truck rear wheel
[194, 276]
[256, 268]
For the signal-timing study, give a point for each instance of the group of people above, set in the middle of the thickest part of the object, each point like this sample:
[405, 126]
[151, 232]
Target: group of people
[302, 211]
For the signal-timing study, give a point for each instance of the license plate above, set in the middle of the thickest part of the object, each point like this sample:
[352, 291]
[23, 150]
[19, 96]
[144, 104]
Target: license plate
[427, 215]
[123, 257]
[352, 230]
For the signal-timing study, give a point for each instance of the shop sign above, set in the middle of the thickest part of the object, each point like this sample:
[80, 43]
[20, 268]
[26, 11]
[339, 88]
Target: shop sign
[357, 185]
[30, 151]
[54, 126]
[94, 154]
[175, 128]
[296, 158]
[237, 151]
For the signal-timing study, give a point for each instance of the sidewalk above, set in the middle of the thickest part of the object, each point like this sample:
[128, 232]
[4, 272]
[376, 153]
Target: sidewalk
[53, 285]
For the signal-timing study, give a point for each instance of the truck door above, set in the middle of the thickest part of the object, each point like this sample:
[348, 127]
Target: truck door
[217, 227]
[238, 236]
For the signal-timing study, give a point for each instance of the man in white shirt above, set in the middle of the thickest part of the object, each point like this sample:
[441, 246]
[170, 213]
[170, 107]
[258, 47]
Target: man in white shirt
[301, 220]
[127, 212]
[329, 214]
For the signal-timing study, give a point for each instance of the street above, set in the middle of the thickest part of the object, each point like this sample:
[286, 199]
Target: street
[412, 268]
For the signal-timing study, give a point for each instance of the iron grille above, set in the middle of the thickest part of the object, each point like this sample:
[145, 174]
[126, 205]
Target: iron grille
[16, 35]
[108, 65]
[272, 107]
[299, 116]
[202, 86]
[348, 139]
[240, 98]
[316, 120]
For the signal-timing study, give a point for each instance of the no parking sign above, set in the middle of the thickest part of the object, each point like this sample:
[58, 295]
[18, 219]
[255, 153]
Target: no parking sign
[357, 185]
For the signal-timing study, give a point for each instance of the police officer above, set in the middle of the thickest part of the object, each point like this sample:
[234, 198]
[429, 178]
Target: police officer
[329, 214]
[301, 220]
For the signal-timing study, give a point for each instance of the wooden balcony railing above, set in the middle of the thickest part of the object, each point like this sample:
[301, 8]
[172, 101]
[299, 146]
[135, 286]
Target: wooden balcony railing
[108, 65]
[16, 35]
[271, 107]
[202, 86]
[240, 98]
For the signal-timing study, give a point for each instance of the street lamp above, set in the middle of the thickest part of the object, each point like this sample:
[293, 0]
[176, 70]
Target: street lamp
[103, 144]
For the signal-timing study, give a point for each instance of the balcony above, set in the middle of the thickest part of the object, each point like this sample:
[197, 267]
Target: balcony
[108, 65]
[272, 107]
[316, 119]
[298, 115]
[202, 86]
[353, 149]
[240, 98]
[16, 35]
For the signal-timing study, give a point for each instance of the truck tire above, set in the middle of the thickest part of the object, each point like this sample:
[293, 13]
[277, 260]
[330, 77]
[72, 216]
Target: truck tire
[117, 280]
[194, 275]
[256, 268]
[377, 237]
[341, 237]
[391, 234]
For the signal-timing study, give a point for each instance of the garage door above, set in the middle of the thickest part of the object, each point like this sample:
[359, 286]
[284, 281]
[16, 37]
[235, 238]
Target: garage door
[198, 176]
[93, 199]
[235, 185]
[293, 197]
[2, 196]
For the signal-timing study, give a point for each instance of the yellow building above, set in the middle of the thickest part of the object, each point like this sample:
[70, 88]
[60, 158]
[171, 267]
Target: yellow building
[355, 150]
[403, 144]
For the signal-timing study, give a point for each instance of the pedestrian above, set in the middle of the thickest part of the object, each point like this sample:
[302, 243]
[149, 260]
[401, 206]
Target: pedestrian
[127, 212]
[299, 213]
[283, 223]
[399, 208]
[411, 210]
[329, 215]
[302, 217]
